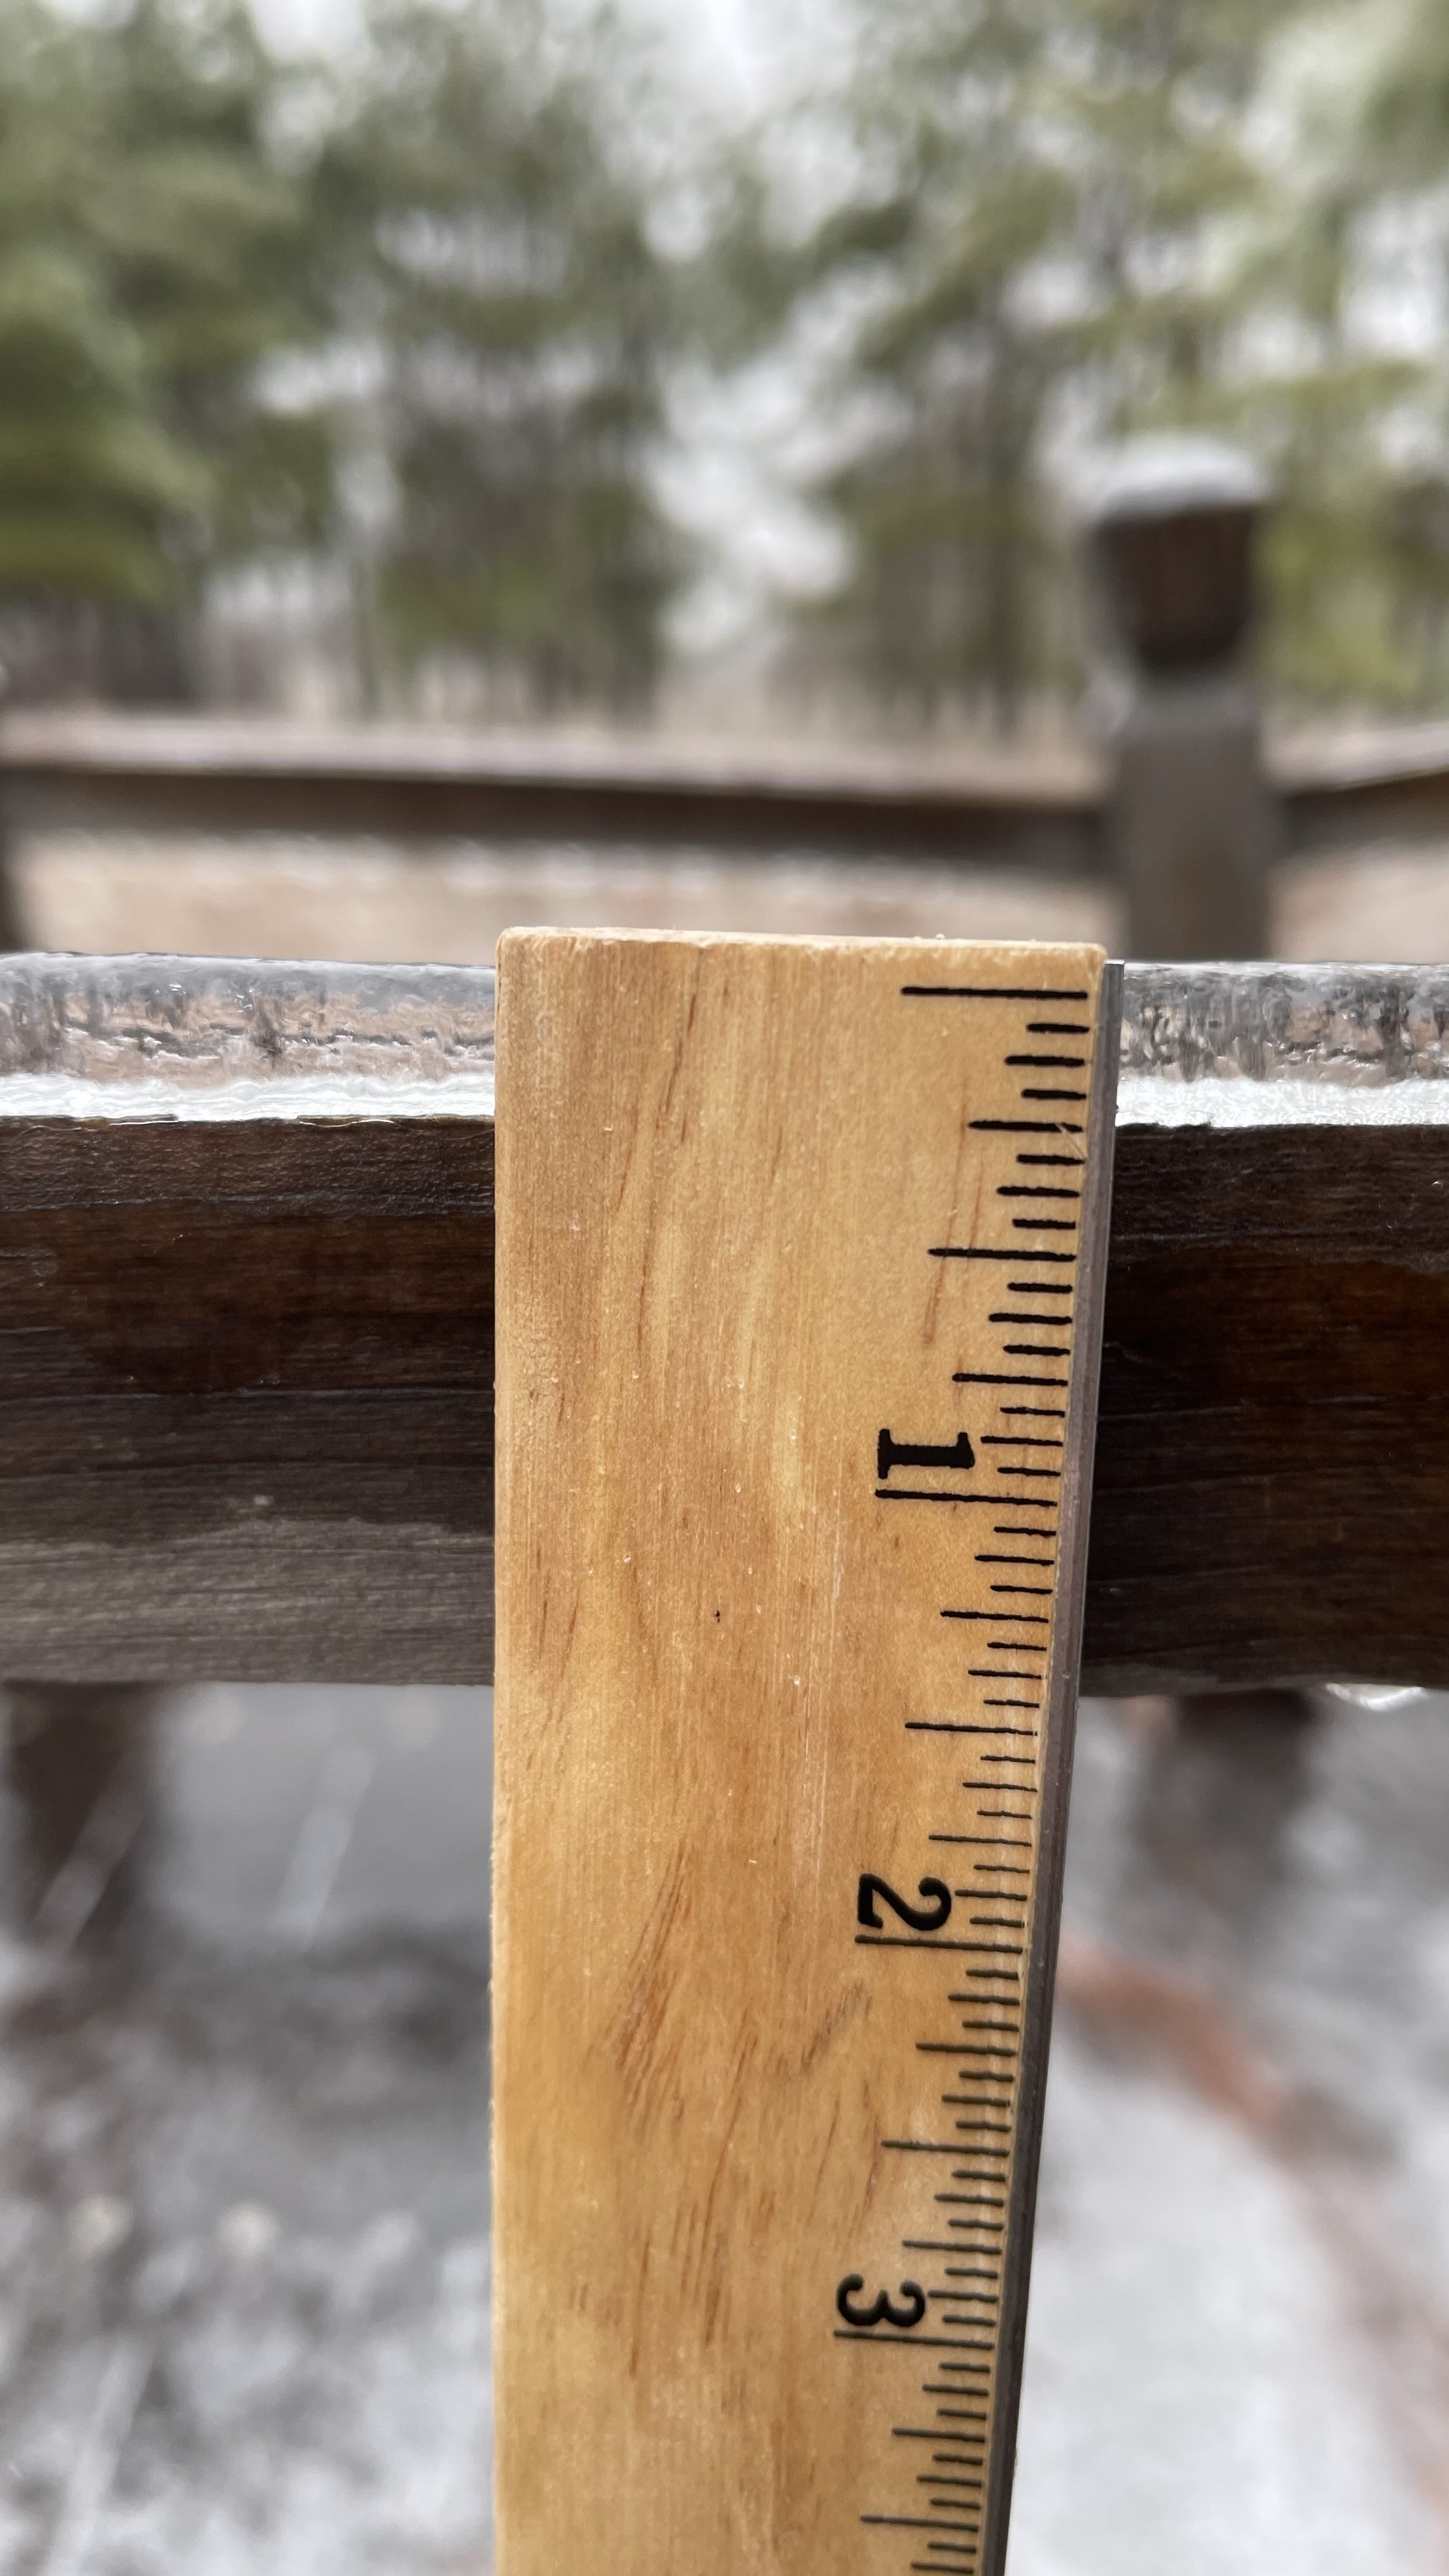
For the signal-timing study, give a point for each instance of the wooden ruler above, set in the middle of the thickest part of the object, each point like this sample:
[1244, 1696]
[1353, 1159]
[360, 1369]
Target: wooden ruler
[800, 1261]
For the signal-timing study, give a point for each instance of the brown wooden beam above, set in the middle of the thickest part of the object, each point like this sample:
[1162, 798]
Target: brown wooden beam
[195, 776]
[246, 1411]
[246, 1365]
[246, 1400]
[1273, 1438]
[200, 774]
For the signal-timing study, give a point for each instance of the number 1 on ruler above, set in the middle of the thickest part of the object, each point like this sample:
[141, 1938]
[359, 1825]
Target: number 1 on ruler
[800, 1262]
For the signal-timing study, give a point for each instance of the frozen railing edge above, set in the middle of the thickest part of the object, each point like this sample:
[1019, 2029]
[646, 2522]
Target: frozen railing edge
[1269, 1023]
[214, 1037]
[1270, 1045]
[243, 1037]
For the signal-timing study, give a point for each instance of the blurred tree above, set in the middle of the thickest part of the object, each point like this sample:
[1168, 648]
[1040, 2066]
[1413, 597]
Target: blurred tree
[154, 258]
[87, 478]
[1042, 242]
[413, 309]
[524, 321]
[1361, 552]
[1319, 376]
[204, 211]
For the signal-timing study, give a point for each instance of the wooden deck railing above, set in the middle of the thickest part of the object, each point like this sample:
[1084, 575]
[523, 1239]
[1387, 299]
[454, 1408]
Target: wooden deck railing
[246, 1334]
[206, 775]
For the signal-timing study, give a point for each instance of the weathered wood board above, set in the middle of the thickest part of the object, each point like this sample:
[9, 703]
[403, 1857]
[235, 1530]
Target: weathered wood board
[198, 1316]
[246, 1400]
[797, 1342]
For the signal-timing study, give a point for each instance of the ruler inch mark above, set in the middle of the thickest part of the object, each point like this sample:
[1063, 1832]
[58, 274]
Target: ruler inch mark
[909, 2342]
[988, 1377]
[1054, 1323]
[916, 2522]
[999, 1618]
[1017, 1440]
[932, 2245]
[931, 2433]
[920, 1941]
[945, 1726]
[993, 993]
[995, 1252]
[954, 2048]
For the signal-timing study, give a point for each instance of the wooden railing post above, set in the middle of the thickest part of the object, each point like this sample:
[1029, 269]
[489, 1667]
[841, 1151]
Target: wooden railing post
[76, 1758]
[12, 933]
[1191, 818]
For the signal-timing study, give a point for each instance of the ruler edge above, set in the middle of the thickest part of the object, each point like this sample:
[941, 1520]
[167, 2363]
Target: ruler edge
[1061, 1735]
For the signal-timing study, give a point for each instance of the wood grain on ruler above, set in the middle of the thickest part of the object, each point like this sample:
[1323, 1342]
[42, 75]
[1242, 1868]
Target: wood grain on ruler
[788, 1253]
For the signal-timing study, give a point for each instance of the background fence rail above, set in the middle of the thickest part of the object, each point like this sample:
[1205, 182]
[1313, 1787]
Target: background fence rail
[204, 775]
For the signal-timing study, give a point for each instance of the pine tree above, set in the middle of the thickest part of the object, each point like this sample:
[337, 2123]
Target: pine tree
[1045, 244]
[524, 322]
[153, 261]
[88, 480]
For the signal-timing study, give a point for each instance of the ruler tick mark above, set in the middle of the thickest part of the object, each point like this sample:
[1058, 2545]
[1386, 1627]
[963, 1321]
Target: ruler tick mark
[984, 1377]
[993, 993]
[912, 2342]
[949, 1726]
[992, 1841]
[994, 1252]
[1022, 1127]
[1025, 1618]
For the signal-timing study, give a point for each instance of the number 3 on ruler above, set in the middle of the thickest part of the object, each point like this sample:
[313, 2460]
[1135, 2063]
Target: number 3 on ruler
[882, 2310]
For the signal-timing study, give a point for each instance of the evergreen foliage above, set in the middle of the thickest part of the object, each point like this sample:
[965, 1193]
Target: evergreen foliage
[226, 287]
[523, 319]
[408, 311]
[1076, 219]
[1041, 245]
[149, 266]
